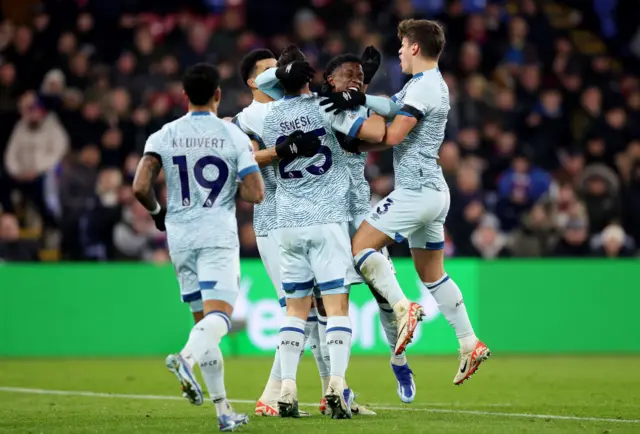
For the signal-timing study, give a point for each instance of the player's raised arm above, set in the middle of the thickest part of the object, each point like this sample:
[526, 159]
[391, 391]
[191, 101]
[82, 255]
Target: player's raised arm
[146, 174]
[352, 124]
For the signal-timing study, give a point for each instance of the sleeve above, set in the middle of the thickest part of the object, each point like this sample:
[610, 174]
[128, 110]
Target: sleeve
[153, 146]
[268, 83]
[347, 122]
[246, 161]
[420, 97]
[251, 129]
[383, 106]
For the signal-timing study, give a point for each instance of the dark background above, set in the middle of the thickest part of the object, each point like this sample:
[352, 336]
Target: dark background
[542, 151]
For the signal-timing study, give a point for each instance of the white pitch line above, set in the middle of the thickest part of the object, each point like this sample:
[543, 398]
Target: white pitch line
[375, 407]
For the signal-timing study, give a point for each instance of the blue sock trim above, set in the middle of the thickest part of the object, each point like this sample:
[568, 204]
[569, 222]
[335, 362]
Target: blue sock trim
[385, 310]
[312, 319]
[364, 258]
[324, 323]
[292, 329]
[283, 302]
[438, 283]
[194, 296]
[222, 315]
[339, 329]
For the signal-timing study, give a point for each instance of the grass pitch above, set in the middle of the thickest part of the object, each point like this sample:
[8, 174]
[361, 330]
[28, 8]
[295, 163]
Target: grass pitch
[508, 395]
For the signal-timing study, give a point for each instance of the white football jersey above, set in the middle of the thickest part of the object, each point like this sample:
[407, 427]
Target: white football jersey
[202, 156]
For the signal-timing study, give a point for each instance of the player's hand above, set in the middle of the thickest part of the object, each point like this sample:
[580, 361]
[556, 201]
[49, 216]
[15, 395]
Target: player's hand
[340, 101]
[370, 62]
[298, 144]
[349, 144]
[297, 72]
[158, 219]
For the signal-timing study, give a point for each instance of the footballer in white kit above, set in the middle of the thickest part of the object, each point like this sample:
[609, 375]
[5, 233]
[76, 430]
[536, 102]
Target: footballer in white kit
[416, 210]
[312, 233]
[251, 121]
[203, 158]
[343, 73]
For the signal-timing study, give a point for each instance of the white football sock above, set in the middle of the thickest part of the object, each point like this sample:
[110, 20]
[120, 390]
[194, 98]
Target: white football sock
[339, 343]
[377, 271]
[205, 345]
[450, 302]
[291, 346]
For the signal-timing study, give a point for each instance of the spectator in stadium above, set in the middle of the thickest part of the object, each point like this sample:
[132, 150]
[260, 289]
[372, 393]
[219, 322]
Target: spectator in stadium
[537, 233]
[37, 145]
[519, 188]
[76, 189]
[488, 241]
[467, 209]
[574, 241]
[599, 188]
[612, 242]
[136, 236]
[12, 248]
[100, 217]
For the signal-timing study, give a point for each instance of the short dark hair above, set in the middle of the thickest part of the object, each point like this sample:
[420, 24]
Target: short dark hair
[289, 55]
[200, 83]
[248, 62]
[428, 34]
[338, 61]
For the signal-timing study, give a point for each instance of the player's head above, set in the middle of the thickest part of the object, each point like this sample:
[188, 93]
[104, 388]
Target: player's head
[289, 55]
[201, 83]
[344, 72]
[420, 38]
[254, 64]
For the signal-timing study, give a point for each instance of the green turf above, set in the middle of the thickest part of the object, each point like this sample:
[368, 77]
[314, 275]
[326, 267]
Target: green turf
[581, 387]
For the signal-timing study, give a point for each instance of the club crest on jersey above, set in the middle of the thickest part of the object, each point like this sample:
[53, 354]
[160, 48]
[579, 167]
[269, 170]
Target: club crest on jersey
[186, 201]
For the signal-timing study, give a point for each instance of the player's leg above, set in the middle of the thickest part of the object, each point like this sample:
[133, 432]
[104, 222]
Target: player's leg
[297, 283]
[330, 261]
[267, 404]
[427, 250]
[392, 219]
[182, 363]
[218, 275]
[388, 322]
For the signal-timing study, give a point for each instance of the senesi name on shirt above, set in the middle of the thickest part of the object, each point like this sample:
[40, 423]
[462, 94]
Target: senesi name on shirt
[296, 124]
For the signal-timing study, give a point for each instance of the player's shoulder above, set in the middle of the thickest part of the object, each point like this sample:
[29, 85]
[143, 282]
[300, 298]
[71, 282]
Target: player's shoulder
[166, 131]
[426, 81]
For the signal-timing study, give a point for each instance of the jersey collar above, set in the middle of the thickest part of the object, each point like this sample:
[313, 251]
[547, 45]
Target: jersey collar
[200, 113]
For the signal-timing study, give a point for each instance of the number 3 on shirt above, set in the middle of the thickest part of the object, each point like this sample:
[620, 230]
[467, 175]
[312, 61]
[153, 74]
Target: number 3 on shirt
[313, 169]
[215, 186]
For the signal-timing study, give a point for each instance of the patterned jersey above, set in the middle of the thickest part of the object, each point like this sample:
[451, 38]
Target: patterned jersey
[202, 156]
[311, 191]
[250, 120]
[360, 191]
[415, 159]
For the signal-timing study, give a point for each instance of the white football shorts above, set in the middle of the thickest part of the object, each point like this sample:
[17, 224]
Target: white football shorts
[211, 273]
[416, 215]
[315, 256]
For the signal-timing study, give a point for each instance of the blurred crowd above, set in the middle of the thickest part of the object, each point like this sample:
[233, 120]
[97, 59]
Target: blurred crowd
[542, 149]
